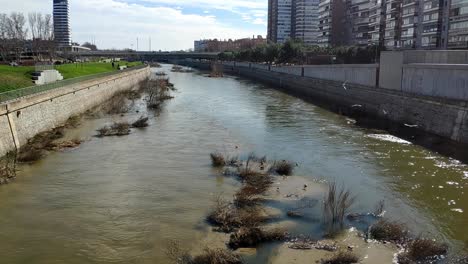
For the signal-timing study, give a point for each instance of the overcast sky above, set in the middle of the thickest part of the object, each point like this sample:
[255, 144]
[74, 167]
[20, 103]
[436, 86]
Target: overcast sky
[171, 24]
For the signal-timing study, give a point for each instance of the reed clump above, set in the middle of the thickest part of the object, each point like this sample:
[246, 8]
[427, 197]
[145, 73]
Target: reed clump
[336, 204]
[141, 122]
[117, 129]
[422, 250]
[283, 168]
[178, 255]
[249, 237]
[217, 159]
[342, 257]
[7, 168]
[35, 148]
[385, 230]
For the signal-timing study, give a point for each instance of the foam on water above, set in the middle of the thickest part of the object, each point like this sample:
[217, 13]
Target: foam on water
[389, 138]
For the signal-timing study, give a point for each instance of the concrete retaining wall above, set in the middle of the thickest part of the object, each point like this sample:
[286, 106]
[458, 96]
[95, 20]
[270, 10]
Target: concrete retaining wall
[22, 119]
[438, 80]
[362, 74]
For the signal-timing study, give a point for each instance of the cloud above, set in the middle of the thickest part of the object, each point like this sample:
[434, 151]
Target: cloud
[170, 24]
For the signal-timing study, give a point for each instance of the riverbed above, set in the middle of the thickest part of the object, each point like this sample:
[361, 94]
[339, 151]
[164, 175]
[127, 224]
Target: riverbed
[122, 199]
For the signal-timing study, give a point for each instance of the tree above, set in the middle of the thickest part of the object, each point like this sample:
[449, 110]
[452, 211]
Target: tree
[291, 51]
[89, 46]
[272, 52]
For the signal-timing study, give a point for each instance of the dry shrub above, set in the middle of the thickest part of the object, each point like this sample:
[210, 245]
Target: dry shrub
[343, 257]
[336, 204]
[7, 167]
[158, 92]
[227, 217]
[254, 186]
[217, 159]
[34, 150]
[385, 230]
[248, 237]
[217, 256]
[283, 168]
[423, 250]
[141, 122]
[178, 255]
[117, 104]
[117, 129]
[73, 122]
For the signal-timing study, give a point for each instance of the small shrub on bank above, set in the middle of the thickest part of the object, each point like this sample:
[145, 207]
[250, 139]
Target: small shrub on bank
[117, 129]
[177, 255]
[217, 159]
[34, 150]
[342, 257]
[248, 237]
[423, 250]
[283, 168]
[141, 122]
[7, 167]
[385, 230]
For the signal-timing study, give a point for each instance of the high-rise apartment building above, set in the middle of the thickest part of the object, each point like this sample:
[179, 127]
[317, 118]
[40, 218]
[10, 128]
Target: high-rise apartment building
[305, 20]
[62, 32]
[279, 20]
[393, 24]
[333, 29]
[457, 33]
[358, 12]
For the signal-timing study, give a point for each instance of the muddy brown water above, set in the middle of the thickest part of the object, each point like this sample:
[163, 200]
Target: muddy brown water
[120, 200]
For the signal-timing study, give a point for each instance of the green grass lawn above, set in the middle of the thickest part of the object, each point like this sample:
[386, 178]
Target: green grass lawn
[12, 78]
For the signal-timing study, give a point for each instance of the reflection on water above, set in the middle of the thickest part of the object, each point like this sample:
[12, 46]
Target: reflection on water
[119, 200]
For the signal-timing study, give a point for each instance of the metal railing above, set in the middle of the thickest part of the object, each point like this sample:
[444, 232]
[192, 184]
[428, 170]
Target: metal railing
[15, 94]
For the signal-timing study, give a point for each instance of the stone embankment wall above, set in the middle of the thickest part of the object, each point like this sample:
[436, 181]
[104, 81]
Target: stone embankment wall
[25, 117]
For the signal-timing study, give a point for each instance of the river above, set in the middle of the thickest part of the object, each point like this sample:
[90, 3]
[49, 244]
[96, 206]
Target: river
[120, 200]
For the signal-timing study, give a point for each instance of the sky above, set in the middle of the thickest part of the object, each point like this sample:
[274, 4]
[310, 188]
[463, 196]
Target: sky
[171, 24]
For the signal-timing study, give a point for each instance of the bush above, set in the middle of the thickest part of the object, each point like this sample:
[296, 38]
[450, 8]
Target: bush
[209, 256]
[342, 257]
[141, 122]
[422, 250]
[385, 230]
[117, 129]
[336, 204]
[217, 159]
[283, 168]
[248, 237]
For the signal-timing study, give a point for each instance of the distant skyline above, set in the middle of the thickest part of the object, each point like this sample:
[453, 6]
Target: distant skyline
[171, 24]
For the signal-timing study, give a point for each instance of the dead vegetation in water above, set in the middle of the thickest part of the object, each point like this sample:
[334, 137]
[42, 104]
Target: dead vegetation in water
[385, 230]
[217, 159]
[283, 168]
[336, 205]
[117, 129]
[251, 237]
[342, 257]
[141, 122]
[119, 103]
[423, 250]
[177, 68]
[227, 217]
[36, 147]
[177, 255]
[7, 168]
[158, 91]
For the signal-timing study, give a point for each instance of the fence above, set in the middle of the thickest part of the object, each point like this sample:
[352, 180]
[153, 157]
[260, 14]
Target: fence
[14, 94]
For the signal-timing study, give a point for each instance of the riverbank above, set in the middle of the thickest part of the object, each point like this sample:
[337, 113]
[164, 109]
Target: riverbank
[12, 78]
[25, 117]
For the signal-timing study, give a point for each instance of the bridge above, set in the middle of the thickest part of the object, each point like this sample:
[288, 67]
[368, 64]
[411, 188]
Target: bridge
[149, 56]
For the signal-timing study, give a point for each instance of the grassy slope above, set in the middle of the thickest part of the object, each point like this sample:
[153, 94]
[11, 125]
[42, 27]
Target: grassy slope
[12, 78]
